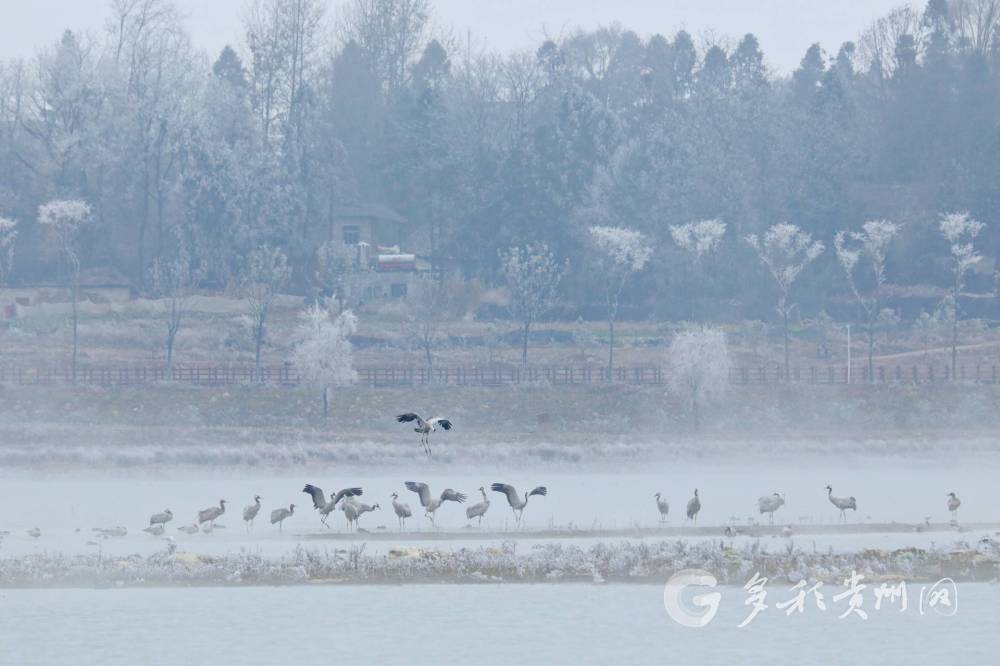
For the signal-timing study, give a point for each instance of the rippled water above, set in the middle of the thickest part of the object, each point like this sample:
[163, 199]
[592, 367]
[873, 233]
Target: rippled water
[470, 624]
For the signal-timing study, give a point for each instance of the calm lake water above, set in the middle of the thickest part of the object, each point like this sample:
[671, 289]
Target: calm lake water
[472, 624]
[66, 506]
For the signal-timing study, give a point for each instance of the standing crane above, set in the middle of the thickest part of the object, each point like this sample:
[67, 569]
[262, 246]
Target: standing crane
[769, 504]
[279, 515]
[663, 507]
[516, 503]
[353, 510]
[161, 518]
[842, 503]
[425, 428]
[479, 509]
[694, 507]
[250, 512]
[432, 504]
[953, 504]
[402, 510]
[212, 513]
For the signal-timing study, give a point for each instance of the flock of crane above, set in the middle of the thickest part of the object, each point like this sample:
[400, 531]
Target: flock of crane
[347, 501]
[770, 503]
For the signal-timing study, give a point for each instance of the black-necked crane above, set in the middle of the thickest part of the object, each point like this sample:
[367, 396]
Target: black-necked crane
[425, 428]
[353, 510]
[842, 503]
[479, 509]
[432, 504]
[514, 499]
[694, 507]
[161, 518]
[250, 512]
[325, 507]
[279, 515]
[769, 504]
[953, 504]
[662, 506]
[212, 513]
[402, 510]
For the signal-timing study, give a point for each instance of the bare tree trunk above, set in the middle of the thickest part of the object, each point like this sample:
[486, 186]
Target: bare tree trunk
[76, 297]
[954, 328]
[524, 348]
[611, 345]
[871, 348]
[258, 341]
[784, 315]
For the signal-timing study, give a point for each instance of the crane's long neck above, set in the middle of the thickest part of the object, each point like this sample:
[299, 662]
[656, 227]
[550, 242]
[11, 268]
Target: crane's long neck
[485, 498]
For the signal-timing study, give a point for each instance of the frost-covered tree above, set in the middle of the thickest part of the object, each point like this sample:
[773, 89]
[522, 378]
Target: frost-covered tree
[698, 238]
[699, 368]
[960, 230]
[785, 250]
[266, 272]
[323, 355]
[533, 276]
[172, 282]
[866, 248]
[63, 218]
[621, 253]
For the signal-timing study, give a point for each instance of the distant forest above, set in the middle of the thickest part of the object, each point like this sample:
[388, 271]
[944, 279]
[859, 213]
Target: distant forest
[215, 155]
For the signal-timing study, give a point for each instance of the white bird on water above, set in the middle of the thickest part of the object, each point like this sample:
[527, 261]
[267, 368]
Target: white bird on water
[250, 512]
[279, 515]
[663, 507]
[188, 529]
[432, 504]
[161, 518]
[155, 530]
[479, 509]
[953, 504]
[402, 510]
[694, 507]
[425, 428]
[769, 504]
[516, 503]
[842, 503]
[212, 513]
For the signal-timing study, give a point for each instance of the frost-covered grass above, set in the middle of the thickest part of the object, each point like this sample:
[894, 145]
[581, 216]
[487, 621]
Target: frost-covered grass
[624, 561]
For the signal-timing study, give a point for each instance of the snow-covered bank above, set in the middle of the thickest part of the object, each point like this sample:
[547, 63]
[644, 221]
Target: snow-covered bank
[623, 561]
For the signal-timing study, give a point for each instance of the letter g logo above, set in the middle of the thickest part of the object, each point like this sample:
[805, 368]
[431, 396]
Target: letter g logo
[678, 611]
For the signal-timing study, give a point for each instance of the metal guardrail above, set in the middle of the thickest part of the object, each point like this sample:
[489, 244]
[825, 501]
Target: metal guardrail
[390, 376]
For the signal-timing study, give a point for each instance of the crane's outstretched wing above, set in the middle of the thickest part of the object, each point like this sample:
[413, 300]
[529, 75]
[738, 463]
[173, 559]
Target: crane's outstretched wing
[450, 495]
[319, 499]
[420, 489]
[438, 421]
[410, 416]
[347, 492]
[508, 490]
[540, 490]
